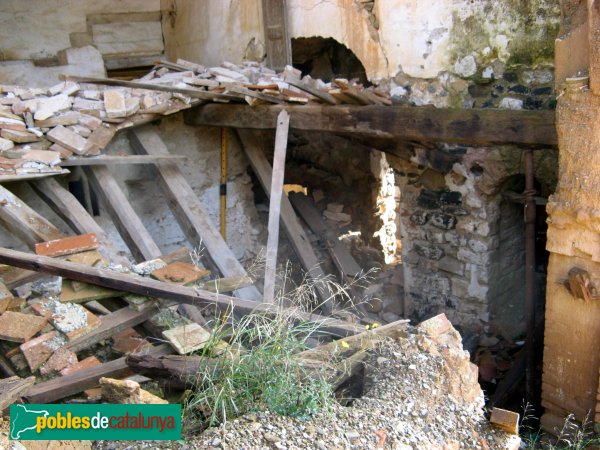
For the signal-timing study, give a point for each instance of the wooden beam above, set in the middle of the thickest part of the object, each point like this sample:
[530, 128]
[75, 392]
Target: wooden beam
[466, 126]
[68, 208]
[341, 256]
[20, 219]
[281, 141]
[110, 325]
[189, 212]
[60, 387]
[277, 38]
[128, 223]
[152, 288]
[12, 388]
[112, 160]
[291, 225]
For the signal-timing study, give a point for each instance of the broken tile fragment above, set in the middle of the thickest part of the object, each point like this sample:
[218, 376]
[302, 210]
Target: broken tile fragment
[71, 319]
[114, 103]
[187, 338]
[6, 144]
[38, 350]
[129, 341]
[90, 122]
[19, 137]
[180, 273]
[68, 139]
[49, 106]
[100, 138]
[67, 118]
[47, 157]
[90, 361]
[19, 327]
[61, 359]
[91, 258]
[68, 245]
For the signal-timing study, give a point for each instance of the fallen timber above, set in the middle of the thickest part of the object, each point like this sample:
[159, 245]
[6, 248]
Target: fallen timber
[158, 289]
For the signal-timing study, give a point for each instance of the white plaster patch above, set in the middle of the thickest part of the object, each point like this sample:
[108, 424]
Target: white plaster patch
[466, 67]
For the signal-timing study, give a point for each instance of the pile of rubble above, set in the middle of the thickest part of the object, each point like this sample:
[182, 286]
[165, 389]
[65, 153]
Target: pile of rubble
[79, 116]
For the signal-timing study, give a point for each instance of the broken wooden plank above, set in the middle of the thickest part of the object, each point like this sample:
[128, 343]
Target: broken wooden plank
[291, 225]
[341, 256]
[303, 86]
[395, 123]
[227, 284]
[152, 288]
[74, 214]
[49, 391]
[254, 94]
[11, 390]
[505, 420]
[277, 38]
[112, 160]
[110, 325]
[31, 176]
[194, 93]
[130, 226]
[20, 219]
[189, 212]
[281, 141]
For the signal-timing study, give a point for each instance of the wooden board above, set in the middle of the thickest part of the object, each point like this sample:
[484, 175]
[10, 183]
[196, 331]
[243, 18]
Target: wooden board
[341, 256]
[110, 325]
[405, 123]
[12, 388]
[277, 174]
[291, 225]
[50, 391]
[112, 160]
[21, 220]
[31, 176]
[130, 226]
[68, 208]
[153, 288]
[189, 212]
[277, 39]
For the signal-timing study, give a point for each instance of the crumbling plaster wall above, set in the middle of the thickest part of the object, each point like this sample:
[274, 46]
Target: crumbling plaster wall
[419, 38]
[39, 29]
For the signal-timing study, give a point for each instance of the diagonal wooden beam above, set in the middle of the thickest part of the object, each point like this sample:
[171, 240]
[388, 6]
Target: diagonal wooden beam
[152, 288]
[20, 219]
[128, 223]
[68, 208]
[189, 212]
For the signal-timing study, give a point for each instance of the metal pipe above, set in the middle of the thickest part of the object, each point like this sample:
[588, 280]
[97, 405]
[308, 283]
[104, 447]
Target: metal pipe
[530, 274]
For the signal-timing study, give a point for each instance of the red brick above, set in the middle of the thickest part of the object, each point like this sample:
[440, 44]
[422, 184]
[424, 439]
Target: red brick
[436, 325]
[19, 327]
[86, 363]
[180, 273]
[67, 246]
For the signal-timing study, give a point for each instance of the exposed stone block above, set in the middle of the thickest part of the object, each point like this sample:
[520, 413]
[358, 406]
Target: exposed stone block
[419, 217]
[443, 221]
[429, 251]
[429, 199]
[451, 198]
[451, 265]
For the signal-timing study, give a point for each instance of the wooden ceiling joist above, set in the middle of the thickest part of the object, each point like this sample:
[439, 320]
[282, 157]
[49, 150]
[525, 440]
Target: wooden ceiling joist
[395, 123]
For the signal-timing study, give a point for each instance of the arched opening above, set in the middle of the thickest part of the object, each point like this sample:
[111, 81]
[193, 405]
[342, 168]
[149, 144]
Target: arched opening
[327, 59]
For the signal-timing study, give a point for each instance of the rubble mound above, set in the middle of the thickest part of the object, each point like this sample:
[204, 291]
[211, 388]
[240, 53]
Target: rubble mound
[420, 392]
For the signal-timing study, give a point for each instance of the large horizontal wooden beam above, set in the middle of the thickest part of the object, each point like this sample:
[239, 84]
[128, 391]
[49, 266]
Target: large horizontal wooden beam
[465, 126]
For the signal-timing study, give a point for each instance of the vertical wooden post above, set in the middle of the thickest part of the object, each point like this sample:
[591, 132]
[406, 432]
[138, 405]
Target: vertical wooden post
[530, 296]
[223, 185]
[594, 44]
[281, 138]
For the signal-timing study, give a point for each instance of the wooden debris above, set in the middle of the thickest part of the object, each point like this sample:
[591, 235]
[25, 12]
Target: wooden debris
[12, 389]
[187, 338]
[78, 381]
[85, 293]
[112, 160]
[144, 286]
[68, 245]
[506, 420]
[19, 327]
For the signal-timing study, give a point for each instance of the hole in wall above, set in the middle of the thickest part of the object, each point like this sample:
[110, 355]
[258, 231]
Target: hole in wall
[327, 59]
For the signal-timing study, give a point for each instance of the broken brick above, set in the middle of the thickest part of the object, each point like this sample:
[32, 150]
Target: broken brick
[19, 327]
[90, 361]
[180, 273]
[68, 139]
[61, 359]
[67, 246]
[39, 349]
[436, 325]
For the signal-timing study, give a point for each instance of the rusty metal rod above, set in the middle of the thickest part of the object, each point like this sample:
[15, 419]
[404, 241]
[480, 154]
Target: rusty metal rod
[530, 274]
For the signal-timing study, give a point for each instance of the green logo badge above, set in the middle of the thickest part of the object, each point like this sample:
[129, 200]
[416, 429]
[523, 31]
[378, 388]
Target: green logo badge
[91, 422]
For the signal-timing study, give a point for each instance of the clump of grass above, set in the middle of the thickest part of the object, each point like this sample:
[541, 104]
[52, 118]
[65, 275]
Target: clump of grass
[572, 435]
[257, 371]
